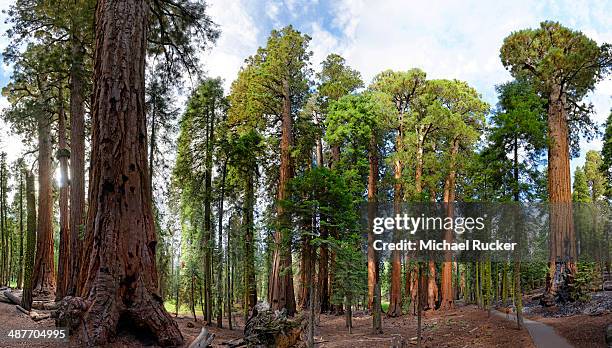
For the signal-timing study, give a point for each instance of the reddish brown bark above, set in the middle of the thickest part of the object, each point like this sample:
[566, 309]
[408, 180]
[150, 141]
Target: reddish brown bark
[64, 247]
[280, 290]
[305, 272]
[395, 299]
[26, 298]
[43, 283]
[432, 286]
[446, 282]
[77, 164]
[120, 277]
[372, 211]
[562, 241]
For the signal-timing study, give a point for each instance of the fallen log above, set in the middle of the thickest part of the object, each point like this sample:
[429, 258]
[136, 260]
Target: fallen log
[16, 300]
[4, 299]
[203, 340]
[237, 342]
[40, 305]
[46, 306]
[269, 328]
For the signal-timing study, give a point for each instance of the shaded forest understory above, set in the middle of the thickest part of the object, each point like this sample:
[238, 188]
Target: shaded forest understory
[132, 218]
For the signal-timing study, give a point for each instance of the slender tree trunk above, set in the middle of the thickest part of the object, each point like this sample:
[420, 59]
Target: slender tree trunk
[26, 299]
[305, 271]
[249, 242]
[64, 247]
[395, 300]
[562, 241]
[3, 232]
[192, 297]
[77, 163]
[208, 232]
[120, 281]
[228, 276]
[44, 270]
[322, 287]
[372, 211]
[220, 248]
[280, 291]
[21, 231]
[178, 284]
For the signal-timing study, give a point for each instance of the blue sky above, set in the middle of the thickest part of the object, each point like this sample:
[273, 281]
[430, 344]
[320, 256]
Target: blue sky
[447, 39]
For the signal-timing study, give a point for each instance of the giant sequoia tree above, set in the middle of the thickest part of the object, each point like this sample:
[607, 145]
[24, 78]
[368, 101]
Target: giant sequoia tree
[120, 278]
[564, 66]
[281, 79]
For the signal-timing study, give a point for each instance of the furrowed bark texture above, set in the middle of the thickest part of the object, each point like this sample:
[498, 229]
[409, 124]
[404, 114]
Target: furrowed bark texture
[120, 280]
[26, 298]
[43, 283]
[446, 283]
[77, 164]
[64, 248]
[280, 290]
[562, 241]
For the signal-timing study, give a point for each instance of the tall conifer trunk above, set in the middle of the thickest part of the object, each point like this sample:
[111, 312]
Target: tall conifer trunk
[77, 163]
[43, 283]
[120, 277]
[64, 247]
[26, 299]
[280, 291]
[446, 283]
[372, 211]
[562, 241]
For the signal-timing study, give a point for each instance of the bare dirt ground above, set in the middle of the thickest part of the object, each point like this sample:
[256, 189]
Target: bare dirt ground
[582, 331]
[462, 327]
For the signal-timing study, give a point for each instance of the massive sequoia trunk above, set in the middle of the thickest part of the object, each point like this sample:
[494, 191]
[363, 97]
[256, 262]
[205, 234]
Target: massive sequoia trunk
[64, 247]
[280, 290]
[120, 280]
[562, 242]
[446, 282]
[43, 283]
[77, 163]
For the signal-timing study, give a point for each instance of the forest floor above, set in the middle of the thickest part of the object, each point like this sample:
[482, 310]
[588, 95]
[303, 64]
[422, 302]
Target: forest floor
[465, 326]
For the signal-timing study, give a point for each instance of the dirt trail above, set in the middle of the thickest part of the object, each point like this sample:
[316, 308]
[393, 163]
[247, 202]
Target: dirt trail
[543, 336]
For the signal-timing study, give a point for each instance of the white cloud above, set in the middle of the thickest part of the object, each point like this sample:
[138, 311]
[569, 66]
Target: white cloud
[239, 39]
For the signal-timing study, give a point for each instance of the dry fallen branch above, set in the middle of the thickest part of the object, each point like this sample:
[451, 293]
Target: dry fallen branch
[22, 310]
[237, 342]
[203, 340]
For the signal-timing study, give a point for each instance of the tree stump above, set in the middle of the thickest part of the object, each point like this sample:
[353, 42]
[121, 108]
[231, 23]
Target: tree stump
[272, 329]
